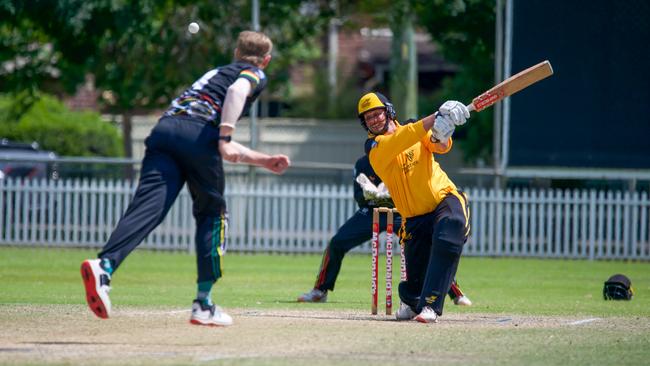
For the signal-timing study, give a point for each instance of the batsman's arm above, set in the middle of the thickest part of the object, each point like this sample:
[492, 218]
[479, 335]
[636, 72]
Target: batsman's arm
[438, 147]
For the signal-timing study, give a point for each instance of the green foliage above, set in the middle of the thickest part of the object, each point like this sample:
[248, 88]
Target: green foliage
[142, 54]
[403, 60]
[465, 31]
[317, 104]
[56, 128]
[141, 51]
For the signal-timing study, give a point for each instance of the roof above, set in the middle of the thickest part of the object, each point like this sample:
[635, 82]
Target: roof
[376, 48]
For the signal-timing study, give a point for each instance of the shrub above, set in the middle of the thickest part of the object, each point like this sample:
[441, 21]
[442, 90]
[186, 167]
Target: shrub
[56, 128]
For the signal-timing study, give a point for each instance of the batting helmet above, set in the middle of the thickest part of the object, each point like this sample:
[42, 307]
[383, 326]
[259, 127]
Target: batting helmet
[372, 101]
[618, 287]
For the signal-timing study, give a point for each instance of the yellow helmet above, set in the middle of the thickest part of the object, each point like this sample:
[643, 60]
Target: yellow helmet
[372, 101]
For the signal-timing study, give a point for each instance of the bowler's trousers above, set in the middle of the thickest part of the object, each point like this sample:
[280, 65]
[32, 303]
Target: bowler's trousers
[179, 150]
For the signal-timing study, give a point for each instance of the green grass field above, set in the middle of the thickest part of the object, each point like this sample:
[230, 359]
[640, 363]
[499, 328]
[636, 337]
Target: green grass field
[47, 280]
[520, 286]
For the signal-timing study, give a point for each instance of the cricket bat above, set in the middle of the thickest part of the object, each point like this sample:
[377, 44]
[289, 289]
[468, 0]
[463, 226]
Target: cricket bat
[512, 85]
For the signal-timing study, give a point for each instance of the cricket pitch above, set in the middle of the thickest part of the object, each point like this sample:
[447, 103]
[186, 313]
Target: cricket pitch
[71, 335]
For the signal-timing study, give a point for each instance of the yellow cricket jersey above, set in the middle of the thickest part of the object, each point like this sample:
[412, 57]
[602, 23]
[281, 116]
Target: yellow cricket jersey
[404, 162]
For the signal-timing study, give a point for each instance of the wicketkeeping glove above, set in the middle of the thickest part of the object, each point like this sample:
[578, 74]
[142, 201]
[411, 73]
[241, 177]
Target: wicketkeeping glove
[382, 191]
[370, 191]
[383, 196]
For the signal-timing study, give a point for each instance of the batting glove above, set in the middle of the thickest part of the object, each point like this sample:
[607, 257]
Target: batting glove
[443, 128]
[456, 111]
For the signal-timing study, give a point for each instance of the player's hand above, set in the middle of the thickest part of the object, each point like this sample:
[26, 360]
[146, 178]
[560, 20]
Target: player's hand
[382, 191]
[370, 196]
[443, 128]
[278, 164]
[456, 111]
[365, 183]
[384, 202]
[369, 189]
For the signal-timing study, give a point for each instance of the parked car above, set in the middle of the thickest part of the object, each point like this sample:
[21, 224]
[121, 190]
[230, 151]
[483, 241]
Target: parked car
[23, 160]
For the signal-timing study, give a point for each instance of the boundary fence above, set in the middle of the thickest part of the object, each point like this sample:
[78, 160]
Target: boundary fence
[301, 218]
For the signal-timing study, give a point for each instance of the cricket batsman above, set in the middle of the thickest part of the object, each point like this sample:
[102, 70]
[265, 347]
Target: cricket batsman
[435, 213]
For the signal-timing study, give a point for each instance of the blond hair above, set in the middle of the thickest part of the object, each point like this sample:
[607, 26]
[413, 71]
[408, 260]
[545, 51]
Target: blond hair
[253, 47]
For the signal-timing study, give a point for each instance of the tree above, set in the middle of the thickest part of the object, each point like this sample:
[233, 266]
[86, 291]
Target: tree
[403, 61]
[465, 31]
[33, 41]
[57, 128]
[141, 52]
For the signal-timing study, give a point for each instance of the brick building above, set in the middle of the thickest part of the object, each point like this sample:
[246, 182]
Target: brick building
[363, 60]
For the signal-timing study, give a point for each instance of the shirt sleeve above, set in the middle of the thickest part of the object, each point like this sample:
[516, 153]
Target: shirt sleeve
[434, 147]
[252, 76]
[234, 102]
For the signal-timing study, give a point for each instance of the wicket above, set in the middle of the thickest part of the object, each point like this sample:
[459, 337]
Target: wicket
[389, 258]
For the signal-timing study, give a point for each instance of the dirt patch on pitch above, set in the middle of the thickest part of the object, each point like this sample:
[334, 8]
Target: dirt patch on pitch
[69, 334]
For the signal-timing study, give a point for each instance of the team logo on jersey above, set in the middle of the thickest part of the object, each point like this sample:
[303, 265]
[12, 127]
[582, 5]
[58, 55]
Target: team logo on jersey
[409, 155]
[410, 162]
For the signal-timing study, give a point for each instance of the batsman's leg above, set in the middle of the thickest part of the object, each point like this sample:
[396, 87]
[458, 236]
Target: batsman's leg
[414, 236]
[449, 236]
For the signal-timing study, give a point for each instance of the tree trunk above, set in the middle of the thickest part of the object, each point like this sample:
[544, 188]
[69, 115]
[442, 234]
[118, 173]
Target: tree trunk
[403, 63]
[127, 126]
[126, 134]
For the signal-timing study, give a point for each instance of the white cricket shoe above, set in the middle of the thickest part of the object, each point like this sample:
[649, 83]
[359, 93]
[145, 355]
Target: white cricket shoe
[97, 283]
[405, 312]
[463, 301]
[427, 315]
[209, 315]
[315, 295]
